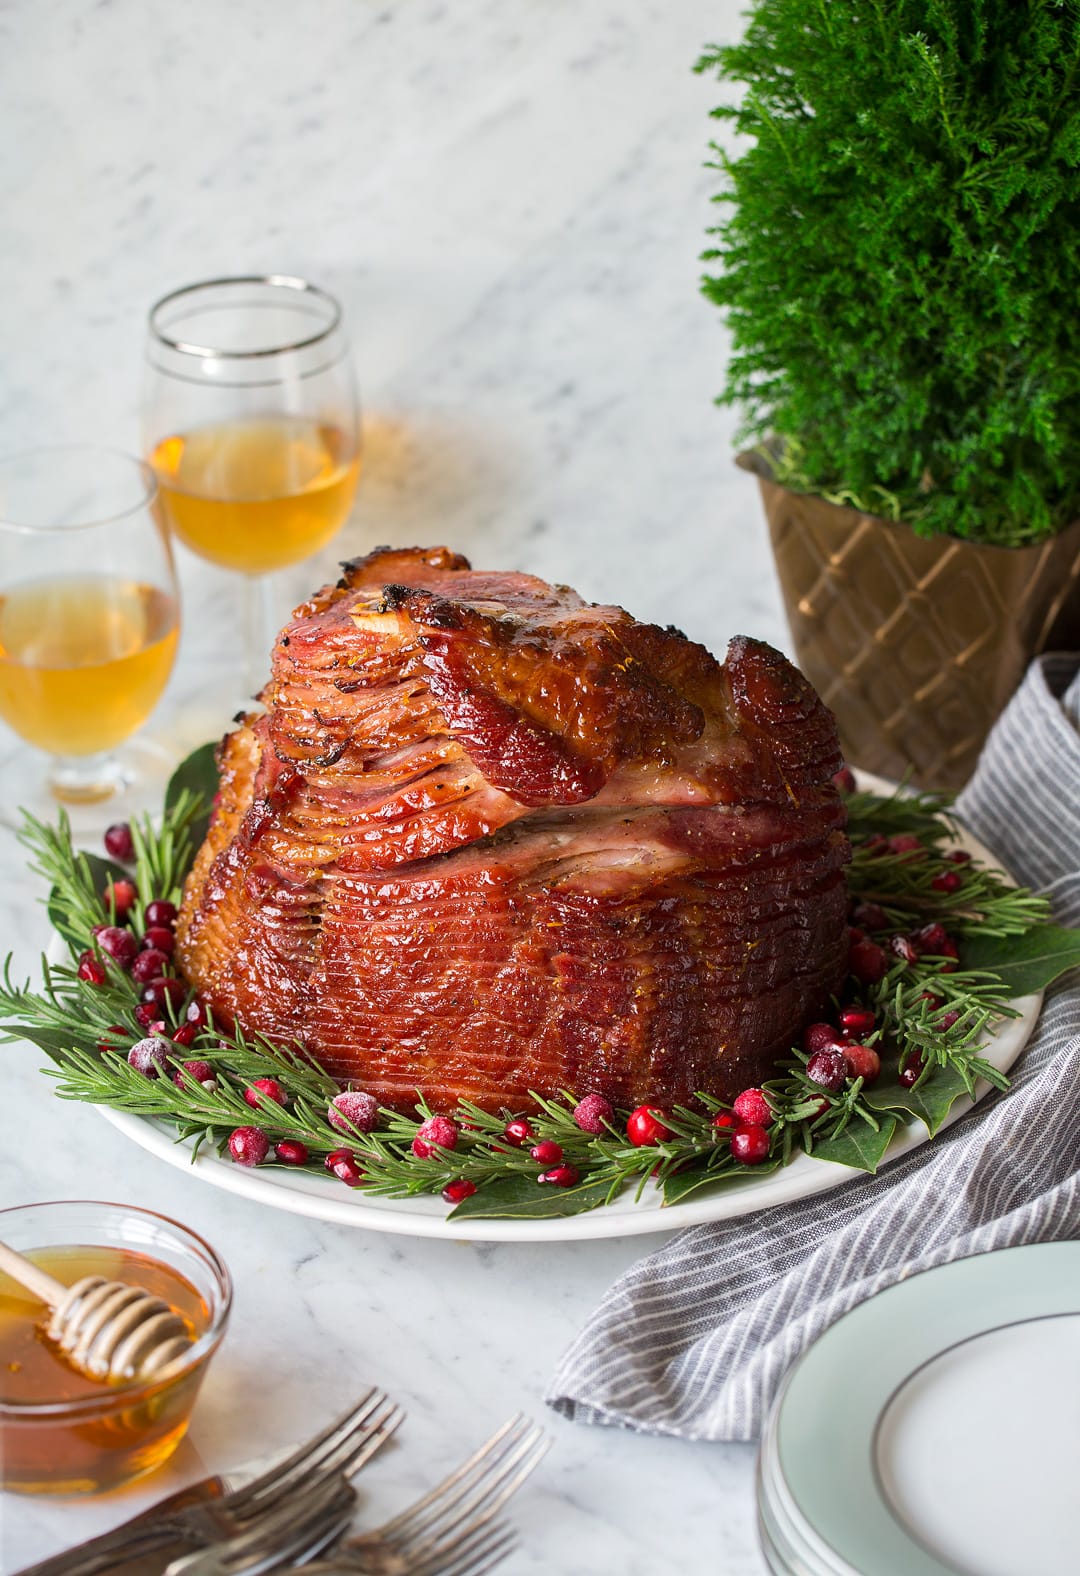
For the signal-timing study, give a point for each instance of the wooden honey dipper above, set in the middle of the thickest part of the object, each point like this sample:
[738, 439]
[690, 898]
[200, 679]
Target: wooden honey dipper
[105, 1329]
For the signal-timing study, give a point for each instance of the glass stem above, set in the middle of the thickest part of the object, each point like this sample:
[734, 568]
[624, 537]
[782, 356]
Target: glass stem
[258, 633]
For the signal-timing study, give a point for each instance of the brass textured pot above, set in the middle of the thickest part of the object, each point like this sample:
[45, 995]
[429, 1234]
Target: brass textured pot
[915, 644]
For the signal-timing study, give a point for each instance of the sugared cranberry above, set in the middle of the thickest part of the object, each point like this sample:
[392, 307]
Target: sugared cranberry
[120, 898]
[196, 1014]
[947, 1021]
[202, 1072]
[146, 1016]
[867, 961]
[114, 1028]
[856, 1021]
[561, 1176]
[863, 1062]
[185, 1034]
[958, 856]
[457, 1192]
[164, 991]
[118, 842]
[148, 965]
[342, 1162]
[723, 1120]
[930, 939]
[911, 1071]
[249, 1146]
[517, 1132]
[268, 1088]
[750, 1145]
[820, 1037]
[902, 947]
[829, 1069]
[546, 1153]
[160, 912]
[119, 943]
[906, 843]
[593, 1113]
[752, 1109]
[160, 939]
[870, 916]
[844, 780]
[948, 881]
[91, 969]
[291, 1152]
[646, 1126]
[353, 1111]
[149, 1057]
[437, 1130]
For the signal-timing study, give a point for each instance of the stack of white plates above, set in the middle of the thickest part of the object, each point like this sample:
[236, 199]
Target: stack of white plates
[935, 1429]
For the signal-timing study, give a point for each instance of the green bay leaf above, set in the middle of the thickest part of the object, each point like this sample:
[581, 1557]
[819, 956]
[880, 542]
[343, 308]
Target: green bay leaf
[931, 1102]
[523, 1198]
[1026, 963]
[683, 1183]
[858, 1146]
[198, 774]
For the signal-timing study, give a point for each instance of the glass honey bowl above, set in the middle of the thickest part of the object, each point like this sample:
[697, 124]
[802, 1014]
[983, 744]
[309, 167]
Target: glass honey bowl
[61, 1432]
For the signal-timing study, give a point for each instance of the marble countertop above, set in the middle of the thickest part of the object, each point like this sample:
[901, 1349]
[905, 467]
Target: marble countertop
[510, 201]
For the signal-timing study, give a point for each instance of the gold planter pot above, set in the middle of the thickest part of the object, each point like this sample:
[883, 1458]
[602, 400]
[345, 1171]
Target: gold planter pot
[915, 644]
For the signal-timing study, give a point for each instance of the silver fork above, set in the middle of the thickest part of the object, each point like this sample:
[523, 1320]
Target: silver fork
[339, 1450]
[448, 1532]
[292, 1531]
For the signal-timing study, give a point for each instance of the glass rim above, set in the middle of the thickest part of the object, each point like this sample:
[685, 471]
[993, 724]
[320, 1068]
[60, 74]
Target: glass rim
[276, 281]
[201, 1350]
[26, 528]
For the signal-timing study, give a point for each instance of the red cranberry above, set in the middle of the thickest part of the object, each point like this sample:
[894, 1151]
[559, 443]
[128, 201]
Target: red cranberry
[437, 1130]
[148, 965]
[159, 912]
[291, 1152]
[958, 856]
[901, 947]
[119, 844]
[948, 881]
[119, 943]
[930, 939]
[593, 1113]
[457, 1192]
[185, 1034]
[750, 1145]
[149, 1057]
[863, 1062]
[517, 1132]
[91, 969]
[249, 1146]
[353, 1111]
[146, 1017]
[906, 843]
[844, 780]
[120, 898]
[934, 1000]
[546, 1153]
[877, 843]
[829, 1069]
[855, 934]
[911, 1071]
[752, 1109]
[160, 939]
[856, 1021]
[164, 992]
[645, 1126]
[114, 1028]
[342, 1162]
[202, 1072]
[870, 916]
[269, 1088]
[820, 1037]
[723, 1120]
[196, 1014]
[867, 961]
[561, 1176]
[947, 1020]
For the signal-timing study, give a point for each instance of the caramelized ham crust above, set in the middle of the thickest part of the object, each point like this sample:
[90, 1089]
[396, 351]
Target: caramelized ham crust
[489, 838]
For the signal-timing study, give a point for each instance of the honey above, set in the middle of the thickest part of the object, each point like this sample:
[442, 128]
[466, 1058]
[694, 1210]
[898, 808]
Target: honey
[61, 1431]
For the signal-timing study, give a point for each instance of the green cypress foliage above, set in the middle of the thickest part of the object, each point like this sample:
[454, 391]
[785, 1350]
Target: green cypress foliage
[899, 262]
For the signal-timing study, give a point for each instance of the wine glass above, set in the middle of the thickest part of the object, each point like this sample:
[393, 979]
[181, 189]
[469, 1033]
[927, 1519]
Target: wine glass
[251, 423]
[89, 621]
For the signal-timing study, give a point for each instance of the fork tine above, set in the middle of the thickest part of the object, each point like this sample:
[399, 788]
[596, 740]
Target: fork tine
[353, 1449]
[289, 1529]
[438, 1493]
[480, 1550]
[279, 1478]
[476, 1500]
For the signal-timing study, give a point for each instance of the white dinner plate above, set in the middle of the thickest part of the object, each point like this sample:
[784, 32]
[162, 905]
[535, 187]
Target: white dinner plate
[935, 1429]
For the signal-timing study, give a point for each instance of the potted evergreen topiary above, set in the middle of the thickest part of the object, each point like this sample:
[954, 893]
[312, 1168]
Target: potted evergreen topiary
[900, 269]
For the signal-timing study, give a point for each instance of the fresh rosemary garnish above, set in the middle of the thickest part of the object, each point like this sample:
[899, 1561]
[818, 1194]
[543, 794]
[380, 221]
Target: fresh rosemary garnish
[943, 944]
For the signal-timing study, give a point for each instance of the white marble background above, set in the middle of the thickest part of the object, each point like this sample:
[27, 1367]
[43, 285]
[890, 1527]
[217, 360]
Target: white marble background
[509, 197]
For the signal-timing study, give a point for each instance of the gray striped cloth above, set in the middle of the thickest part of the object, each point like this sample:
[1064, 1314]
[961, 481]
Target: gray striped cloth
[693, 1340]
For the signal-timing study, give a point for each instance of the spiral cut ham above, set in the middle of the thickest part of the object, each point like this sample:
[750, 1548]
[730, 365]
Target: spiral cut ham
[489, 839]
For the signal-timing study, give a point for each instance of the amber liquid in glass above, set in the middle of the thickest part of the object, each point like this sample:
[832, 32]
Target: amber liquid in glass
[83, 659]
[138, 1425]
[257, 495]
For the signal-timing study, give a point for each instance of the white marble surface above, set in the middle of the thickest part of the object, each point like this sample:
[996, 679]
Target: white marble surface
[510, 199]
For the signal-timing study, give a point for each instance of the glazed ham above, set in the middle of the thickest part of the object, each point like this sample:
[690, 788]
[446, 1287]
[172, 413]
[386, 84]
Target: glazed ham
[490, 839]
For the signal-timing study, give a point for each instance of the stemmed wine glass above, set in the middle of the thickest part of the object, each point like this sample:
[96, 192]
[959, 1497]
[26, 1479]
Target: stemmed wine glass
[89, 620]
[251, 424]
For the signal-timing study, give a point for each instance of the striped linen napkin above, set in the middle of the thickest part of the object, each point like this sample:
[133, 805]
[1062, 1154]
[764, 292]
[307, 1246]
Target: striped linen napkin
[693, 1340]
